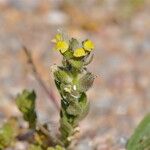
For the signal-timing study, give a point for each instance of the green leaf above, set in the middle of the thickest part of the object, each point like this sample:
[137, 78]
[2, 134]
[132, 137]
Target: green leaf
[66, 127]
[58, 147]
[140, 140]
[68, 55]
[85, 82]
[78, 64]
[84, 104]
[74, 44]
[74, 108]
[26, 104]
[62, 76]
[7, 133]
[35, 147]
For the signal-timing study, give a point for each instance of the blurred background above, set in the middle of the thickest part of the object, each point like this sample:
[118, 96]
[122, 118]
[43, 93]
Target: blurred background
[120, 30]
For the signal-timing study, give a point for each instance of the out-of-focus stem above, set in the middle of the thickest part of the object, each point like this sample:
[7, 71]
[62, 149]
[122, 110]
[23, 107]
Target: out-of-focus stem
[49, 92]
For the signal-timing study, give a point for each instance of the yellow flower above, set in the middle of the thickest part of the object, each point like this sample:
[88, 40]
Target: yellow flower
[88, 45]
[62, 46]
[58, 37]
[79, 52]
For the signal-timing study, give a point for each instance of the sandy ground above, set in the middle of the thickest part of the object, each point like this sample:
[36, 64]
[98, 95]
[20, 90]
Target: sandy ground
[120, 96]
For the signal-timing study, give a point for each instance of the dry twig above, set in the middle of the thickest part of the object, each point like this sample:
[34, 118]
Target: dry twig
[49, 92]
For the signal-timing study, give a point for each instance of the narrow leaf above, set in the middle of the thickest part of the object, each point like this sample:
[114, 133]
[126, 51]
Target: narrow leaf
[26, 104]
[140, 140]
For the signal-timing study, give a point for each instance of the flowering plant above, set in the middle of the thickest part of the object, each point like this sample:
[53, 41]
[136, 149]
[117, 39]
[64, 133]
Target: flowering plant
[72, 80]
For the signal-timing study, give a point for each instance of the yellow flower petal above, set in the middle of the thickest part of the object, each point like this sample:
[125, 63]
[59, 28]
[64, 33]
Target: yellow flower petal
[62, 46]
[79, 52]
[88, 45]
